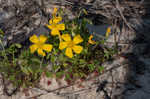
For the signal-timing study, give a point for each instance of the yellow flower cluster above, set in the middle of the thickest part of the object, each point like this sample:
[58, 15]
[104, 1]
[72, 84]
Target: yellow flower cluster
[66, 43]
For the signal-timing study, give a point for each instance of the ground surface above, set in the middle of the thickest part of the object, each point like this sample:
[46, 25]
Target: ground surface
[126, 77]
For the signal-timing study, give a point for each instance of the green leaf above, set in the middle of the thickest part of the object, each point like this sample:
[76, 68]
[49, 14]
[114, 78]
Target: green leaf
[24, 85]
[82, 74]
[40, 71]
[82, 61]
[85, 51]
[82, 65]
[65, 64]
[62, 58]
[59, 74]
[30, 70]
[106, 55]
[55, 51]
[56, 67]
[19, 82]
[70, 70]
[76, 75]
[96, 62]
[48, 74]
[91, 67]
[18, 45]
[67, 77]
[44, 65]
[85, 12]
[36, 60]
[102, 42]
[52, 59]
[12, 78]
[25, 70]
[1, 31]
[48, 56]
[100, 69]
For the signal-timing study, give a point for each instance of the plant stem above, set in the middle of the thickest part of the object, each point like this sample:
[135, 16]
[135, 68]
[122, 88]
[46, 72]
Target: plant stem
[41, 62]
[13, 58]
[5, 56]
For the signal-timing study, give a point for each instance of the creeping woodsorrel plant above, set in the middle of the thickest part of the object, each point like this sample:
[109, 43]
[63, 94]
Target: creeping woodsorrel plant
[69, 48]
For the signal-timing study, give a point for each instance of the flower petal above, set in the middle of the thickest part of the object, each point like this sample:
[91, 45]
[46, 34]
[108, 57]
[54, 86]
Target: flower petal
[66, 37]
[54, 12]
[90, 40]
[61, 26]
[55, 20]
[77, 39]
[49, 26]
[77, 49]
[51, 21]
[34, 39]
[62, 45]
[33, 48]
[42, 39]
[40, 52]
[108, 32]
[47, 47]
[69, 53]
[55, 32]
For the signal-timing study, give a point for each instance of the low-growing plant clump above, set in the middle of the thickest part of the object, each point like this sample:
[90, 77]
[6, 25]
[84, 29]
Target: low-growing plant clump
[69, 52]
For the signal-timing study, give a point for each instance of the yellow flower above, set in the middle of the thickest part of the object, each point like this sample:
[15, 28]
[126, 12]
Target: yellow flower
[54, 12]
[55, 26]
[70, 44]
[108, 32]
[90, 40]
[39, 45]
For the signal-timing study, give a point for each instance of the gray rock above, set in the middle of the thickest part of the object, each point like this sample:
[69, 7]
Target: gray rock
[97, 30]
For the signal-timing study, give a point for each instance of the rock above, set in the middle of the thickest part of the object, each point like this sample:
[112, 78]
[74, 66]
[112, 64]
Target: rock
[22, 21]
[125, 77]
[1, 85]
[9, 89]
[50, 95]
[97, 30]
